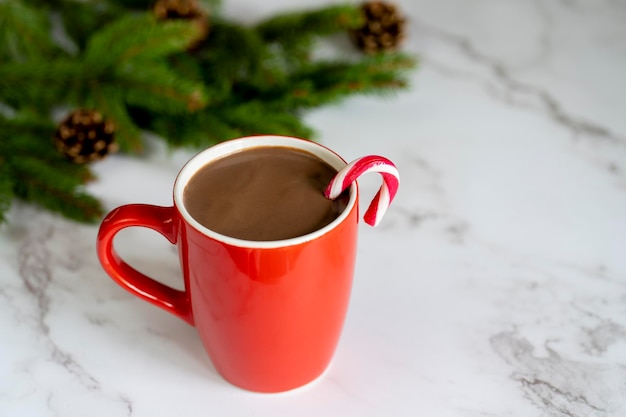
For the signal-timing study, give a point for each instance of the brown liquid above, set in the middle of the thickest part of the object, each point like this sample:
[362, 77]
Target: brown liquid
[262, 194]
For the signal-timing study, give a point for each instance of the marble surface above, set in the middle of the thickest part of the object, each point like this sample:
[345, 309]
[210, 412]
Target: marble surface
[495, 285]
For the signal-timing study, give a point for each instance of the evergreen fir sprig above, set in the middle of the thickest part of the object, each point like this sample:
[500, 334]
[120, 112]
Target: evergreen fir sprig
[143, 74]
[24, 33]
[303, 25]
[234, 53]
[138, 36]
[32, 170]
[296, 32]
[325, 82]
[115, 70]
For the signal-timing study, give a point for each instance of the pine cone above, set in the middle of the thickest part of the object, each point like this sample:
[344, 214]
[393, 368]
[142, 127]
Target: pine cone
[85, 136]
[383, 29]
[184, 9]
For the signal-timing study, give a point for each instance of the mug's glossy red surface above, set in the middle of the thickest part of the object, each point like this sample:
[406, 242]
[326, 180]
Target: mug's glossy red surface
[269, 314]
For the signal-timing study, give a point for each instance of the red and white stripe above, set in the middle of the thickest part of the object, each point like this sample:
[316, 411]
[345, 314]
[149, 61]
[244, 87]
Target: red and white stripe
[373, 163]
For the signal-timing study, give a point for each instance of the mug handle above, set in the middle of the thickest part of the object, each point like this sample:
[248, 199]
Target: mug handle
[160, 219]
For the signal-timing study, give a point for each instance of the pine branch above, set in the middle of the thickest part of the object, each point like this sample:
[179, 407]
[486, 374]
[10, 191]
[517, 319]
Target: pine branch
[194, 130]
[256, 118]
[110, 101]
[56, 191]
[227, 121]
[134, 4]
[296, 31]
[26, 84]
[138, 37]
[24, 33]
[154, 86]
[129, 75]
[139, 73]
[325, 82]
[83, 18]
[32, 170]
[147, 4]
[233, 53]
[24, 122]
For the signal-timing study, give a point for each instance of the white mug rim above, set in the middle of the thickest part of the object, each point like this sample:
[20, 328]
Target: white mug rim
[231, 146]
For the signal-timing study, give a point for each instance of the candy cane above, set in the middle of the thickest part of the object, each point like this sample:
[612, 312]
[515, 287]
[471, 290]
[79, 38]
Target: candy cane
[373, 163]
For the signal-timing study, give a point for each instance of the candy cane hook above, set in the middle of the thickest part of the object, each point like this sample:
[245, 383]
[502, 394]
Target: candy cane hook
[373, 163]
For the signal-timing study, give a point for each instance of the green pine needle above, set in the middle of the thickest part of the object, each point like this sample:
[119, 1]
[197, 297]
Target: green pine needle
[56, 191]
[110, 100]
[24, 33]
[32, 170]
[294, 26]
[234, 53]
[139, 37]
[141, 74]
[154, 86]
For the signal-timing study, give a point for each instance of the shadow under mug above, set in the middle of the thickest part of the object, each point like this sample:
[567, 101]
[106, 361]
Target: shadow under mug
[269, 313]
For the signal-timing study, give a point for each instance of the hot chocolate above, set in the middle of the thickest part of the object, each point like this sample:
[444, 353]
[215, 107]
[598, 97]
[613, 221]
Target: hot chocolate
[262, 194]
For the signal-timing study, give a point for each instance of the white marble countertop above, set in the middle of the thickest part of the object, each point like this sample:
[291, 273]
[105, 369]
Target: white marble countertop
[495, 285]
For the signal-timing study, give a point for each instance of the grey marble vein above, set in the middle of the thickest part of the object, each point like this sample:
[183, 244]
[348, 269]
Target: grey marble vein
[559, 386]
[36, 263]
[513, 91]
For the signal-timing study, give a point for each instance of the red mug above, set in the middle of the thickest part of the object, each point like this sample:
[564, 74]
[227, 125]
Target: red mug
[269, 313]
